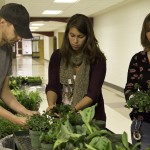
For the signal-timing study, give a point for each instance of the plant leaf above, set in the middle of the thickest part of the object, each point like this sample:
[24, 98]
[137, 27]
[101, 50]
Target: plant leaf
[87, 115]
[125, 140]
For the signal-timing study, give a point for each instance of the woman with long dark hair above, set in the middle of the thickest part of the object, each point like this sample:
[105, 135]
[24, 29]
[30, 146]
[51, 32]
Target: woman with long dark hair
[77, 70]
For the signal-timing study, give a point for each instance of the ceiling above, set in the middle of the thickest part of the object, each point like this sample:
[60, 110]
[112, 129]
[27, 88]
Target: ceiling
[90, 8]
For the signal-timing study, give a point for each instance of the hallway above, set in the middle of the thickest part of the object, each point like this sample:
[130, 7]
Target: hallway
[118, 119]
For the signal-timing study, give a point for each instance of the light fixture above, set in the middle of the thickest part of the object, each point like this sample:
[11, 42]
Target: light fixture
[66, 1]
[51, 12]
[37, 24]
[34, 28]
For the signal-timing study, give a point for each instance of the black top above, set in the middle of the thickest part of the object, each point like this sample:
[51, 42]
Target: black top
[138, 72]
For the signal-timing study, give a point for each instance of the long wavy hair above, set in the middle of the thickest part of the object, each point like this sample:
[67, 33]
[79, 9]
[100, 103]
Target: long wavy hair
[145, 28]
[90, 48]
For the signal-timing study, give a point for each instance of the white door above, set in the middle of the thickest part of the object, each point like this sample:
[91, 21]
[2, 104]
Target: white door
[26, 47]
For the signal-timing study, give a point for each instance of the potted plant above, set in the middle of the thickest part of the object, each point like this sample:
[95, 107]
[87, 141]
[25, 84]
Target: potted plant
[17, 82]
[6, 132]
[36, 124]
[34, 80]
[48, 139]
[30, 99]
[140, 100]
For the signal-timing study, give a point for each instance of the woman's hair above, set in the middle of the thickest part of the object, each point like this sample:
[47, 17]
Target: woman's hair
[145, 28]
[90, 48]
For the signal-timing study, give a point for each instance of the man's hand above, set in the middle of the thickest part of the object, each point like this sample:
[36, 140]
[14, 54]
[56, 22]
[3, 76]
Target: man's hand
[31, 113]
[20, 120]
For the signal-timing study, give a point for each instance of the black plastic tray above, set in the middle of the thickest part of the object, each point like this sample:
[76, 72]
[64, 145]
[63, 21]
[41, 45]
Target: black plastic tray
[22, 141]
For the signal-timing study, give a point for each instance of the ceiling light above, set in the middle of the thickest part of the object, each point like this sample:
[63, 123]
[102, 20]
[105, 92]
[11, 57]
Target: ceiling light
[34, 28]
[51, 12]
[37, 24]
[65, 1]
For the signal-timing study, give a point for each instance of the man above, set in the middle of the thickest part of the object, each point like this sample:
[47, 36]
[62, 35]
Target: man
[14, 25]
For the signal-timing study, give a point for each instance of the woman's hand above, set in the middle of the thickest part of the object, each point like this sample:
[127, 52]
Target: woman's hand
[49, 108]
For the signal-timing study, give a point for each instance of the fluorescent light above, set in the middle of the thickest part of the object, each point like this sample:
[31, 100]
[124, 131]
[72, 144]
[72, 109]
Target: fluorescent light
[52, 12]
[34, 28]
[65, 1]
[37, 24]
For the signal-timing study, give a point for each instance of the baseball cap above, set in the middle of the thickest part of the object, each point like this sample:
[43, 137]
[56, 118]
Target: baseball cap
[17, 15]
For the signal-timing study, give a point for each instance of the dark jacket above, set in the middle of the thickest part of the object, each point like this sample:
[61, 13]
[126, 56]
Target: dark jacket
[96, 77]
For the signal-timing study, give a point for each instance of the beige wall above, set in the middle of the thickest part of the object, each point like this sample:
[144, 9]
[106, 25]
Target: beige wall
[60, 38]
[118, 33]
[2, 2]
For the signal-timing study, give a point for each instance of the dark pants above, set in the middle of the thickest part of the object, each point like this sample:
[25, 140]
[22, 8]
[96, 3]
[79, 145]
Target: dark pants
[145, 134]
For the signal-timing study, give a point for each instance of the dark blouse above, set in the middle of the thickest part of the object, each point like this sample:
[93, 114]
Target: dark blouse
[97, 76]
[138, 72]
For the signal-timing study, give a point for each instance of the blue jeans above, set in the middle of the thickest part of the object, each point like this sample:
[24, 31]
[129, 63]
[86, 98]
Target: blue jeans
[145, 134]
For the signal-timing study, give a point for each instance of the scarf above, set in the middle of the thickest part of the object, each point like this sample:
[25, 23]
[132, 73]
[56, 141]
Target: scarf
[79, 85]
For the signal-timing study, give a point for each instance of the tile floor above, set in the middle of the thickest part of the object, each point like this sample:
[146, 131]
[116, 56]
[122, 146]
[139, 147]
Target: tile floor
[118, 119]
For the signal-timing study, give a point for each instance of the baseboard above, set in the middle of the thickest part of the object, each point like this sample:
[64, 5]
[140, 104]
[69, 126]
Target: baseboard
[113, 86]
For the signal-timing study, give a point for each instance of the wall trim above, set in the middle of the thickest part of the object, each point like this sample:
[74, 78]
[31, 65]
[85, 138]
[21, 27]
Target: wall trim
[118, 88]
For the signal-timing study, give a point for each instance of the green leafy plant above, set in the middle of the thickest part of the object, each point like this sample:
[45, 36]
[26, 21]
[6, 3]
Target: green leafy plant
[7, 127]
[75, 118]
[39, 122]
[16, 82]
[89, 134]
[87, 116]
[125, 144]
[140, 100]
[34, 80]
[31, 100]
[60, 110]
[50, 136]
